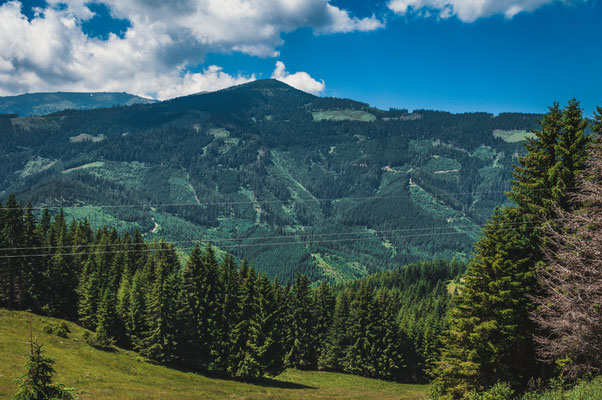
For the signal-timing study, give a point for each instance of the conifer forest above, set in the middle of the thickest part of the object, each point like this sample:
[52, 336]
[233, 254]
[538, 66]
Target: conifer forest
[523, 308]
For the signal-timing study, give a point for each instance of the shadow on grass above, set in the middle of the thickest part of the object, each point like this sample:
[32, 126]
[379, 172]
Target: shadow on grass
[261, 382]
[275, 383]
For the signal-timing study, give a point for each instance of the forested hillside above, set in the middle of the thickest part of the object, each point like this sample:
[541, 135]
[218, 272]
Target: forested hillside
[328, 187]
[220, 317]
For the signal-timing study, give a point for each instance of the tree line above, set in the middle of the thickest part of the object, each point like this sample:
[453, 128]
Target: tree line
[213, 315]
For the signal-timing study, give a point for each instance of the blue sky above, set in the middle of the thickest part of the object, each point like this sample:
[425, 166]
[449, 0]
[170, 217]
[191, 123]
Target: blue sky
[504, 55]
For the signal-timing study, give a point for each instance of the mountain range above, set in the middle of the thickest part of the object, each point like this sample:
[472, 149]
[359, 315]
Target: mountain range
[328, 187]
[45, 103]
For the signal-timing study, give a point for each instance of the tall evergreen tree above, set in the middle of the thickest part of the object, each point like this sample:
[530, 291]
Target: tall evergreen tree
[159, 342]
[324, 308]
[247, 351]
[302, 354]
[338, 335]
[230, 312]
[11, 265]
[490, 333]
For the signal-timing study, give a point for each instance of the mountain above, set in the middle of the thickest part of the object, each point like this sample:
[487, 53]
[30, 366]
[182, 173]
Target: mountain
[329, 187]
[45, 103]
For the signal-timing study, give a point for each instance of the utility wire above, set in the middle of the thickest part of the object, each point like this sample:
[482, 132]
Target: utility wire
[258, 244]
[299, 236]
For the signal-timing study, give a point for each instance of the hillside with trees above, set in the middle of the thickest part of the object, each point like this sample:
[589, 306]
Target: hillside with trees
[330, 188]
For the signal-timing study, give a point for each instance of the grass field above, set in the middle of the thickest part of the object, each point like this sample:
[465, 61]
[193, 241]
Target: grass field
[512, 136]
[125, 375]
[343, 115]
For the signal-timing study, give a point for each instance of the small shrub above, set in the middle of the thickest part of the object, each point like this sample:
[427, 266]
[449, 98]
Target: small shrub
[99, 340]
[49, 329]
[37, 383]
[499, 391]
[61, 329]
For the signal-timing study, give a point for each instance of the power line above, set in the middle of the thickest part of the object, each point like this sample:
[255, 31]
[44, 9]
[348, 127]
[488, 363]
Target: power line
[256, 244]
[299, 236]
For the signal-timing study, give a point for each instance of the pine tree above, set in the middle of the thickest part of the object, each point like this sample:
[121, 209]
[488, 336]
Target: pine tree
[302, 354]
[33, 268]
[533, 181]
[124, 306]
[246, 350]
[11, 267]
[190, 312]
[136, 326]
[106, 316]
[62, 280]
[89, 295]
[490, 334]
[230, 312]
[363, 329]
[338, 337]
[36, 383]
[271, 328]
[572, 153]
[159, 342]
[323, 312]
[390, 341]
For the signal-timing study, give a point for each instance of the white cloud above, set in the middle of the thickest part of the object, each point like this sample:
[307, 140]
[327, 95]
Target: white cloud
[51, 52]
[470, 10]
[298, 80]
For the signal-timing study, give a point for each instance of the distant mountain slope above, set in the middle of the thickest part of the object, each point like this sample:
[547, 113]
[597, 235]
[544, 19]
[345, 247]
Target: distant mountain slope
[45, 103]
[329, 187]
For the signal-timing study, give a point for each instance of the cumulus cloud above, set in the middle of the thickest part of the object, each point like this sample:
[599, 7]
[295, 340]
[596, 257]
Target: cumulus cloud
[298, 80]
[469, 10]
[51, 52]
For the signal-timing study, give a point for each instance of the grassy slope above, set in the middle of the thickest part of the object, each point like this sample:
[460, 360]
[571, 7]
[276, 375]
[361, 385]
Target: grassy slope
[124, 375]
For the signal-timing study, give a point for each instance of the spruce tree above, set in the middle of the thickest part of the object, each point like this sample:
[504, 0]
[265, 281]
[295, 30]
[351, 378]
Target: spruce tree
[390, 341]
[159, 342]
[36, 383]
[302, 354]
[33, 268]
[89, 294]
[136, 326]
[11, 267]
[272, 330]
[230, 312]
[363, 329]
[490, 333]
[338, 336]
[324, 309]
[190, 312]
[246, 361]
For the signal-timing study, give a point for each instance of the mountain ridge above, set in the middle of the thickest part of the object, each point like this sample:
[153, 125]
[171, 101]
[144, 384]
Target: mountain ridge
[259, 163]
[41, 103]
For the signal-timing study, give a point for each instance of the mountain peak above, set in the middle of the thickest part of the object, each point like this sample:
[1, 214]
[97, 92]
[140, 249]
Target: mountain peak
[266, 84]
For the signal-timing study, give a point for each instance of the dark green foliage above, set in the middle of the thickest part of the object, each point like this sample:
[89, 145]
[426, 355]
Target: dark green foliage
[490, 335]
[159, 341]
[218, 318]
[258, 145]
[100, 339]
[61, 329]
[36, 383]
[302, 353]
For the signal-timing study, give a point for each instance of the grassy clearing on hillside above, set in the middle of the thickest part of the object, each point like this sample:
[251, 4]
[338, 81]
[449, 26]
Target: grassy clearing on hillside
[343, 115]
[125, 375]
[512, 136]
